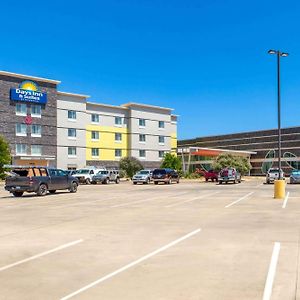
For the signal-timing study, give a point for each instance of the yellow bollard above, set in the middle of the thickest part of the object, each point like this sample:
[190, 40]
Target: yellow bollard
[279, 189]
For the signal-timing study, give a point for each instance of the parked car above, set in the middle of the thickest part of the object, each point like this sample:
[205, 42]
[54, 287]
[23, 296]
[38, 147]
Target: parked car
[71, 172]
[166, 176]
[107, 176]
[273, 174]
[295, 176]
[86, 175]
[229, 175]
[211, 175]
[39, 180]
[143, 176]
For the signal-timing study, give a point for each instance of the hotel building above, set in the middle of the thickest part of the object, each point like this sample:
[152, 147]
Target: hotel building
[44, 126]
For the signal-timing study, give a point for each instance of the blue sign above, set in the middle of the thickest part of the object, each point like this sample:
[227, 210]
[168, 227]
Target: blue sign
[28, 92]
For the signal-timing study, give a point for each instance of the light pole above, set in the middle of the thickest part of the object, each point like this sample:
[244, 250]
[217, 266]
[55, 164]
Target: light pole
[279, 55]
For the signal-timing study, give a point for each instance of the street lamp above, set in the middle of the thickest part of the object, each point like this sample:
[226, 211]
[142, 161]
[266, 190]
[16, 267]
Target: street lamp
[279, 54]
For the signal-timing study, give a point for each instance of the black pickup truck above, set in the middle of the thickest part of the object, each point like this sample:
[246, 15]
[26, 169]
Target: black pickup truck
[39, 180]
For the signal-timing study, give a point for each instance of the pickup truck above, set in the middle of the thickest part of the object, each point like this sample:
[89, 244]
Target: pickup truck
[39, 180]
[211, 174]
[229, 175]
[86, 175]
[273, 174]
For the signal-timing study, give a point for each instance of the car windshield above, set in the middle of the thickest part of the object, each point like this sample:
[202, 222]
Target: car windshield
[296, 173]
[159, 172]
[83, 171]
[143, 172]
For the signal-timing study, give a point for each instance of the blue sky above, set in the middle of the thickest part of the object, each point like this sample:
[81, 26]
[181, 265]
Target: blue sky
[206, 59]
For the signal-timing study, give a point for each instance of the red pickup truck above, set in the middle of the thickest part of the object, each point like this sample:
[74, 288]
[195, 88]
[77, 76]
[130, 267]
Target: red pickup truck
[212, 175]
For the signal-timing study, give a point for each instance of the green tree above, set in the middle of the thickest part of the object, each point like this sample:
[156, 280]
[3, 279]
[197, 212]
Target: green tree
[171, 161]
[230, 161]
[4, 156]
[130, 165]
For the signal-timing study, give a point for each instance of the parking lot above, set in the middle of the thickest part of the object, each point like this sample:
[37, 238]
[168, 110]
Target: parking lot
[186, 241]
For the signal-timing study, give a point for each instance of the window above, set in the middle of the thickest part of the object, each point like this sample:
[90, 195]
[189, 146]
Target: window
[95, 152]
[142, 153]
[36, 150]
[142, 138]
[72, 115]
[72, 133]
[36, 111]
[21, 149]
[118, 137]
[36, 130]
[95, 118]
[95, 135]
[161, 124]
[161, 154]
[118, 121]
[161, 139]
[21, 109]
[118, 152]
[72, 151]
[142, 122]
[21, 129]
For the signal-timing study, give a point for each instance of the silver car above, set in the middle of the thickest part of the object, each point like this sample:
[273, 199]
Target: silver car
[273, 174]
[295, 177]
[143, 176]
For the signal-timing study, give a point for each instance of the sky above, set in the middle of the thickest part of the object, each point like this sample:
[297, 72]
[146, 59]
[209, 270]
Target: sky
[205, 59]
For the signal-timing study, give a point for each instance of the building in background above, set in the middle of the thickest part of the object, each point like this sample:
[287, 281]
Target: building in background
[48, 127]
[261, 146]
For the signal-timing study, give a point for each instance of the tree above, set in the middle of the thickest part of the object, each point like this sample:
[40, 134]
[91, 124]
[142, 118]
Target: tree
[171, 161]
[130, 165]
[4, 155]
[230, 161]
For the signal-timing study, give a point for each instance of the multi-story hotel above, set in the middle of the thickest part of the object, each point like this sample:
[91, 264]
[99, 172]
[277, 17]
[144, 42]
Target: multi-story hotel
[47, 127]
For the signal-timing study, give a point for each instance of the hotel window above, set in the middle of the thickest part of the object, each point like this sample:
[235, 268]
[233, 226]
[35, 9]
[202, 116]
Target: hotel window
[161, 140]
[118, 137]
[21, 109]
[36, 150]
[142, 138]
[36, 111]
[95, 118]
[72, 133]
[95, 152]
[161, 124]
[142, 153]
[21, 129]
[71, 151]
[72, 115]
[36, 130]
[118, 121]
[118, 152]
[142, 122]
[21, 149]
[161, 154]
[95, 135]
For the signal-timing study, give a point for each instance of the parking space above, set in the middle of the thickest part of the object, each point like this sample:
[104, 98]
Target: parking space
[182, 241]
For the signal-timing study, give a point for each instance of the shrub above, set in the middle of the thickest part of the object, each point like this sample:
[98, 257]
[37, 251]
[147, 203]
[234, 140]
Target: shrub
[130, 165]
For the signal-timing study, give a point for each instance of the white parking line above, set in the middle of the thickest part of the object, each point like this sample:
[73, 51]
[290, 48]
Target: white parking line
[240, 199]
[285, 200]
[132, 264]
[191, 200]
[130, 203]
[40, 255]
[271, 272]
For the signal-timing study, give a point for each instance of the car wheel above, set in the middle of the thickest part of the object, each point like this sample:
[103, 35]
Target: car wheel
[177, 181]
[206, 179]
[87, 181]
[117, 180]
[18, 194]
[52, 191]
[155, 182]
[220, 182]
[148, 181]
[73, 187]
[134, 182]
[105, 181]
[42, 190]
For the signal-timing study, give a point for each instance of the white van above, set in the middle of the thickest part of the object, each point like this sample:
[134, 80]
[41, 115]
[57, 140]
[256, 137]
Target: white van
[86, 175]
